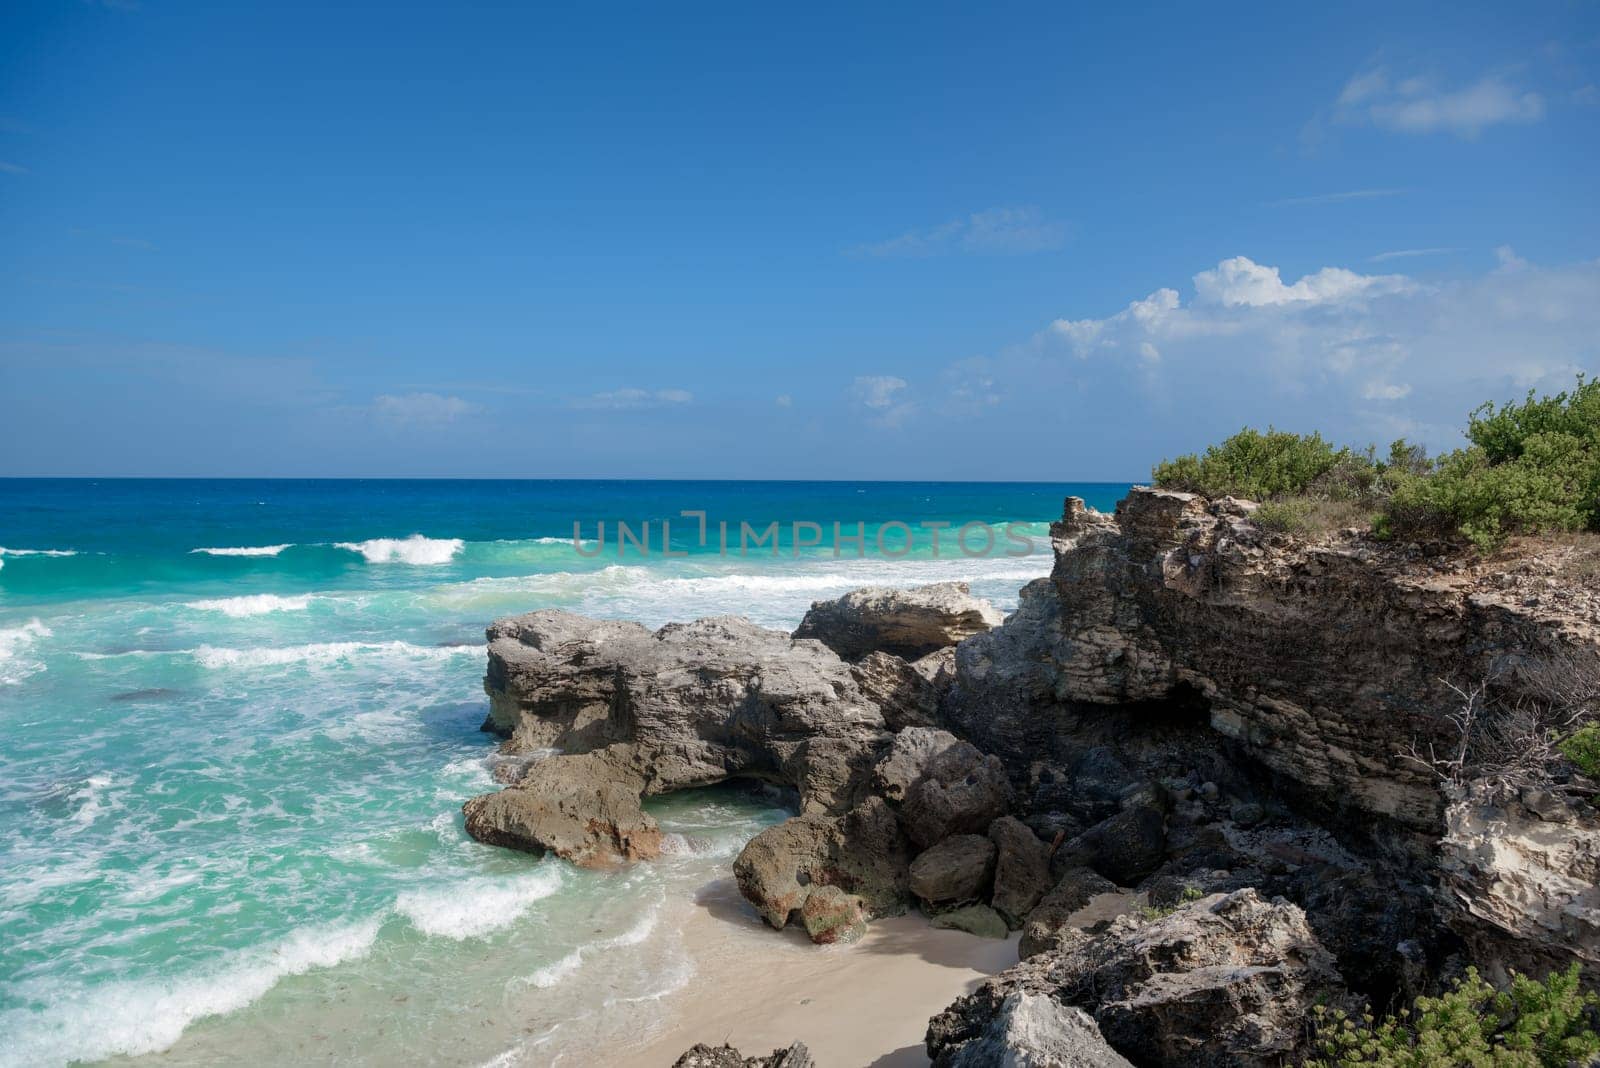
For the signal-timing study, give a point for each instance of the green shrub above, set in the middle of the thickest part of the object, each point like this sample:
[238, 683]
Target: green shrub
[1533, 1024]
[1532, 468]
[1256, 465]
[1582, 747]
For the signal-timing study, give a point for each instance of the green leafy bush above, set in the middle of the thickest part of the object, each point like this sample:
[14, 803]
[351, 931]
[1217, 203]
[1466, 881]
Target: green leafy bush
[1531, 1025]
[1256, 465]
[1532, 468]
[1582, 747]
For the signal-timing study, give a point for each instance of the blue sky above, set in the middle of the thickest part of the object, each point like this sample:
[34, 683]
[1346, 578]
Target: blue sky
[858, 241]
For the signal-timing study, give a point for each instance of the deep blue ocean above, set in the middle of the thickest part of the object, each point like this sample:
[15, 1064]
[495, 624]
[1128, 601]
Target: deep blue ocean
[238, 719]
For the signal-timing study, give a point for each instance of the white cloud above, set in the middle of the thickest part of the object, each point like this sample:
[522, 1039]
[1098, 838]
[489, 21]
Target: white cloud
[13, 168]
[1411, 253]
[880, 396]
[876, 391]
[1339, 198]
[1363, 357]
[784, 401]
[996, 231]
[1421, 105]
[1243, 281]
[622, 399]
[420, 408]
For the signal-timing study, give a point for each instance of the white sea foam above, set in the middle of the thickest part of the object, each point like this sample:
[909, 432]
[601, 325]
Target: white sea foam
[321, 653]
[15, 642]
[147, 1016]
[413, 550]
[253, 605]
[552, 974]
[91, 798]
[244, 550]
[37, 552]
[472, 908]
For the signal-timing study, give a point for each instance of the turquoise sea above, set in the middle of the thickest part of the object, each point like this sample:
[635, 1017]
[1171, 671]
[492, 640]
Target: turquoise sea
[238, 720]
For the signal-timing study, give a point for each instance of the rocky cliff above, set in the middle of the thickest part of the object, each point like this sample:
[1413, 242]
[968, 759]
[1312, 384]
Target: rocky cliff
[1250, 729]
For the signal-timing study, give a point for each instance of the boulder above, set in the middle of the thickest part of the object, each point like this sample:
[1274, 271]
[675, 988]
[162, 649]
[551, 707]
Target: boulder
[961, 791]
[908, 623]
[725, 1056]
[907, 693]
[1022, 869]
[862, 853]
[1075, 890]
[830, 915]
[958, 869]
[1125, 848]
[1029, 1031]
[1228, 980]
[583, 808]
[980, 920]
[910, 754]
[688, 705]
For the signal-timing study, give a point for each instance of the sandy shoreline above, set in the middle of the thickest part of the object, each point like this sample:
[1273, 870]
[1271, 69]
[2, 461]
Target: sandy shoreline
[860, 1005]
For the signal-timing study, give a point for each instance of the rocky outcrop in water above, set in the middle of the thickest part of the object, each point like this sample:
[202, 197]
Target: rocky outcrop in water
[906, 623]
[636, 712]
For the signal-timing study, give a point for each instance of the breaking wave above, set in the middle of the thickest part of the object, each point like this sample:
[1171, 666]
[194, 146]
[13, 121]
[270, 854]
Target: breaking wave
[66, 1025]
[253, 605]
[416, 550]
[244, 550]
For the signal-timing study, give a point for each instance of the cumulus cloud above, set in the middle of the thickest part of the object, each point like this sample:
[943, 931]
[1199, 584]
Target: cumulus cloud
[996, 231]
[420, 408]
[1242, 281]
[1422, 105]
[623, 399]
[1362, 357]
[880, 396]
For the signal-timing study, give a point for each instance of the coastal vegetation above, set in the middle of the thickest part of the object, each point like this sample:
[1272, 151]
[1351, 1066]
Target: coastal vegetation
[1530, 467]
[1547, 1024]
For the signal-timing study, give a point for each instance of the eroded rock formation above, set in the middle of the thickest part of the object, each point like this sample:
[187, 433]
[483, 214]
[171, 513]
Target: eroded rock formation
[907, 623]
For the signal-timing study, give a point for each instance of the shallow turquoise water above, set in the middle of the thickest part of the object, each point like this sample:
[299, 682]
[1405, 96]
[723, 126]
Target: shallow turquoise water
[230, 781]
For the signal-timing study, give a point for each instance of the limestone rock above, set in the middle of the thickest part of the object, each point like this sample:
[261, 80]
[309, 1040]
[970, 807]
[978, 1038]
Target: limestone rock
[910, 754]
[831, 915]
[908, 693]
[725, 1056]
[1022, 869]
[1521, 885]
[692, 703]
[1227, 980]
[960, 868]
[908, 623]
[582, 808]
[961, 791]
[1030, 1031]
[862, 853]
[980, 920]
[1075, 890]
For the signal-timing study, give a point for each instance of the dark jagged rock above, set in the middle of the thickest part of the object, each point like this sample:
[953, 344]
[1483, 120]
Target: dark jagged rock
[908, 623]
[1074, 891]
[1022, 869]
[725, 1056]
[959, 869]
[961, 791]
[1225, 981]
[1033, 1031]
